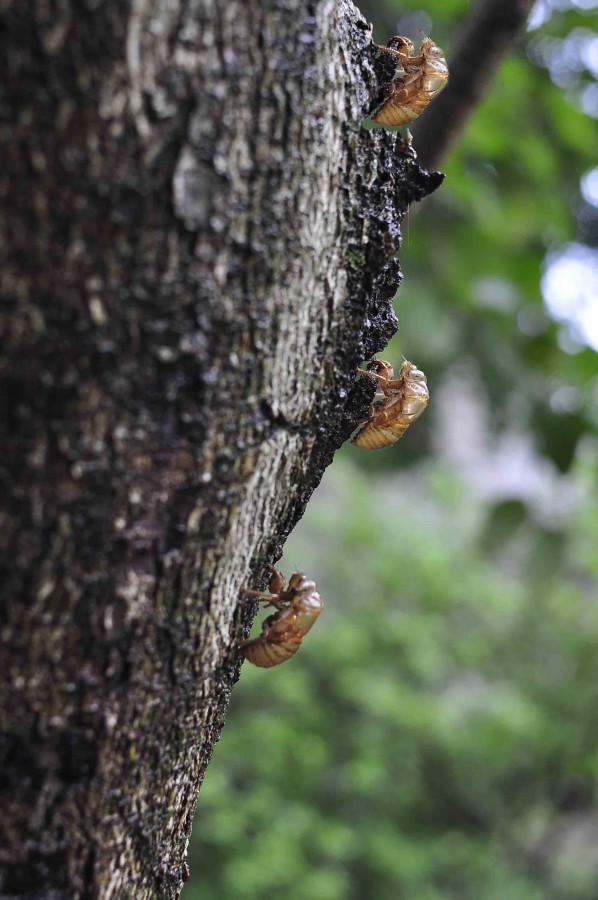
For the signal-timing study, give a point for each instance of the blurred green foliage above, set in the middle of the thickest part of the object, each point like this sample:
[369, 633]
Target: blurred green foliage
[437, 735]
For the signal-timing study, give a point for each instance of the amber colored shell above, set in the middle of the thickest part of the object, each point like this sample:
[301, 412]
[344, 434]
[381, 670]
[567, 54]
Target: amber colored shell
[404, 400]
[265, 654]
[419, 80]
[298, 607]
[374, 437]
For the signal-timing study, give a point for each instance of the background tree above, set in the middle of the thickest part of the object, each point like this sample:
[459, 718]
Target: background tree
[198, 248]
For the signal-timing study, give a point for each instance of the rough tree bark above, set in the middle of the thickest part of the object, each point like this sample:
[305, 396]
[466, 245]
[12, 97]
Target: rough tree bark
[198, 246]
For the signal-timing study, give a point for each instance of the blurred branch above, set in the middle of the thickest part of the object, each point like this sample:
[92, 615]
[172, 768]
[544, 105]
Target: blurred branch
[485, 39]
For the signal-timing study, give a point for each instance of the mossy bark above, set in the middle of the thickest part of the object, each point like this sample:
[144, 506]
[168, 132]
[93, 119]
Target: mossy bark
[198, 247]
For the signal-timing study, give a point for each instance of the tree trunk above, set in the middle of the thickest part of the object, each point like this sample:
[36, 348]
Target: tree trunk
[198, 247]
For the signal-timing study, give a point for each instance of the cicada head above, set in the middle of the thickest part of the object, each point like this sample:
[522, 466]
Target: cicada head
[435, 69]
[429, 48]
[298, 582]
[415, 392]
[307, 606]
[411, 373]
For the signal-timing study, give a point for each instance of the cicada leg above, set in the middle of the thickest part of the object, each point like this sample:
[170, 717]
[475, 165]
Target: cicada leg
[276, 596]
[276, 583]
[273, 599]
[383, 375]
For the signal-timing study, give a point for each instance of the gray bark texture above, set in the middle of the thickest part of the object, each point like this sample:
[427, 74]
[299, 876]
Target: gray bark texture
[197, 248]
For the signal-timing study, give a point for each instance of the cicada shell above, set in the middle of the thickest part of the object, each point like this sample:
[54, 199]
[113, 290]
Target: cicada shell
[418, 79]
[298, 607]
[401, 401]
